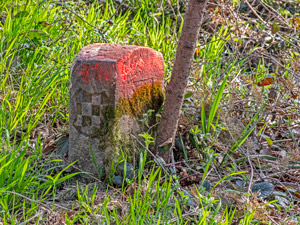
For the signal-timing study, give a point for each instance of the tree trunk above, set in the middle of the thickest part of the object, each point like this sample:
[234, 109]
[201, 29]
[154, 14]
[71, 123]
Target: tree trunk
[176, 88]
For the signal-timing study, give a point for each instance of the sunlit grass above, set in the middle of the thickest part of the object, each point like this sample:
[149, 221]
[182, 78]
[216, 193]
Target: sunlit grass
[39, 42]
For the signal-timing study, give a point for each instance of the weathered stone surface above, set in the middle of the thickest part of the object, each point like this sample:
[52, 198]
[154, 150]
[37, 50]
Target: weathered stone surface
[111, 86]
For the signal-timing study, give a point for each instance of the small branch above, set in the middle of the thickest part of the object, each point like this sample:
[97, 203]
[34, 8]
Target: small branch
[36, 201]
[103, 37]
[251, 167]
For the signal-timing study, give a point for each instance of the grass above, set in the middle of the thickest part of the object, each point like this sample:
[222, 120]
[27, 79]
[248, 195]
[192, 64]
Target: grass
[39, 41]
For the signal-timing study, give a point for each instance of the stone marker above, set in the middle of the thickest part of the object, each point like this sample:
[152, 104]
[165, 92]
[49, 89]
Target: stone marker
[111, 87]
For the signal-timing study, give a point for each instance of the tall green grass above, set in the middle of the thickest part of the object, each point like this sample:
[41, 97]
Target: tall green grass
[39, 42]
[26, 180]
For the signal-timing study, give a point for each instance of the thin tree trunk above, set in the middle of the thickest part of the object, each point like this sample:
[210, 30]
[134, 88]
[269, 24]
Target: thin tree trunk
[176, 88]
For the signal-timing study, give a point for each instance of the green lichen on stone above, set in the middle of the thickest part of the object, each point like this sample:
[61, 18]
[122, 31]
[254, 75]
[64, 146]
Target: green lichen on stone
[107, 123]
[108, 137]
[149, 96]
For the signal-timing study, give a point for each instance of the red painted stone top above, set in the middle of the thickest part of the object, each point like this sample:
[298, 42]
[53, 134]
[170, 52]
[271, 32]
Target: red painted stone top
[125, 66]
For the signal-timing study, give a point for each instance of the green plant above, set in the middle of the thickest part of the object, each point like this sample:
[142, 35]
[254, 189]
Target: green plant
[39, 41]
[99, 170]
[247, 131]
[25, 181]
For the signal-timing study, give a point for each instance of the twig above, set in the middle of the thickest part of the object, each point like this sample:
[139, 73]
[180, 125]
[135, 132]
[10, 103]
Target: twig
[272, 219]
[103, 37]
[173, 161]
[251, 177]
[253, 10]
[155, 157]
[152, 127]
[184, 215]
[37, 215]
[36, 201]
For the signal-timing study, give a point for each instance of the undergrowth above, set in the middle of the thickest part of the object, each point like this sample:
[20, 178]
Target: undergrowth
[232, 134]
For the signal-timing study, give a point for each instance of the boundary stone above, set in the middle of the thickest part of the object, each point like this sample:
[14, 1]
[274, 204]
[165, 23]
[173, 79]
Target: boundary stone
[111, 87]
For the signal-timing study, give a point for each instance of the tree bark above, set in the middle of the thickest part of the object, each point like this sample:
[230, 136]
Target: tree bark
[176, 88]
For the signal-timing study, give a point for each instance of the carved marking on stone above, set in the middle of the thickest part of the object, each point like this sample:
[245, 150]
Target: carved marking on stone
[88, 109]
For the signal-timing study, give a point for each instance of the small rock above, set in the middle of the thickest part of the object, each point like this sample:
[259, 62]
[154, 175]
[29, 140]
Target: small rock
[118, 181]
[206, 185]
[129, 170]
[63, 145]
[178, 143]
[268, 39]
[264, 189]
[240, 183]
[282, 201]
[190, 201]
[243, 7]
[291, 9]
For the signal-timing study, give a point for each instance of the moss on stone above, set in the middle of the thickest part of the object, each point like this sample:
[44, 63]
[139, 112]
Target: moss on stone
[108, 137]
[149, 96]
